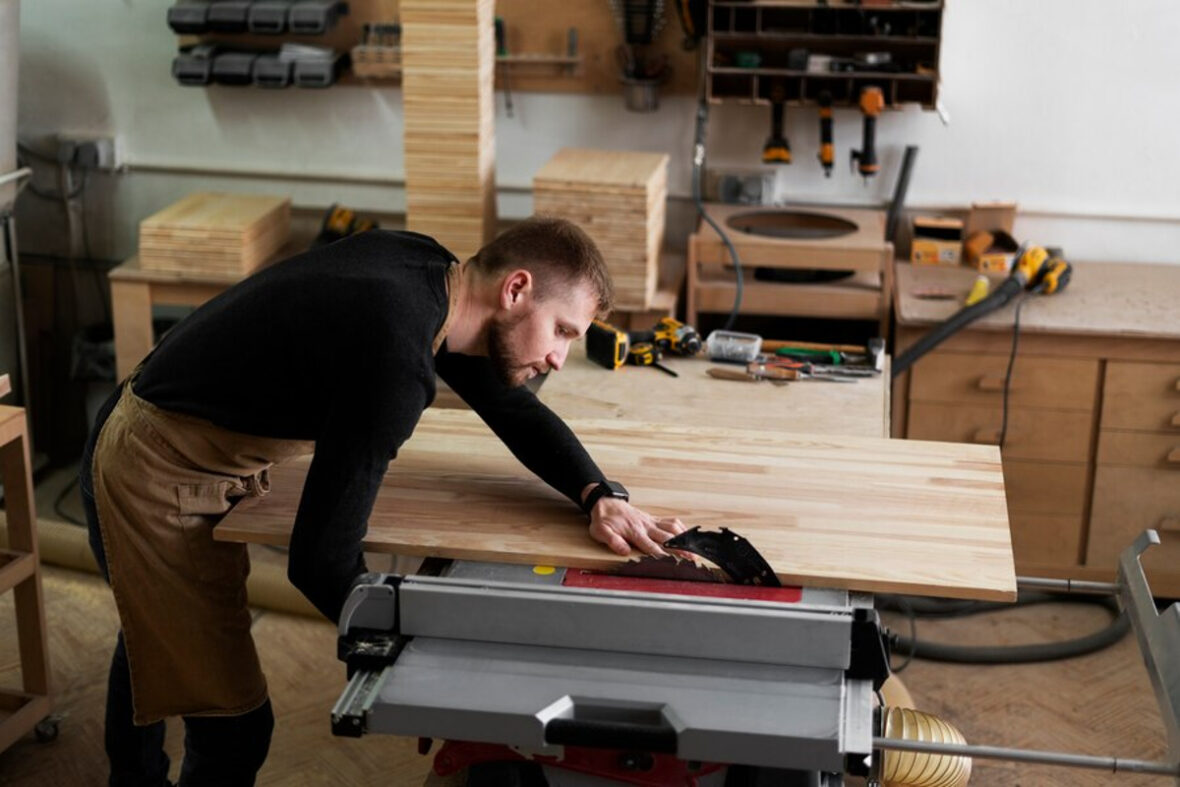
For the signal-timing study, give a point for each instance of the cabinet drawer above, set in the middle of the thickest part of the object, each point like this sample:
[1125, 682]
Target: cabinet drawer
[1046, 539]
[978, 378]
[1055, 435]
[1127, 501]
[1141, 396]
[1140, 449]
[1045, 487]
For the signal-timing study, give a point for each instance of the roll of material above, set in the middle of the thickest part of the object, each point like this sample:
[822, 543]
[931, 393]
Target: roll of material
[9, 58]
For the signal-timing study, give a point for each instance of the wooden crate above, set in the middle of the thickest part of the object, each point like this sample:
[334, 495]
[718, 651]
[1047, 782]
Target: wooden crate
[619, 198]
[213, 232]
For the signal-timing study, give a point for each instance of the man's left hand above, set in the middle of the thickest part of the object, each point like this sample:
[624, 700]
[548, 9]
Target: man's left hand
[621, 526]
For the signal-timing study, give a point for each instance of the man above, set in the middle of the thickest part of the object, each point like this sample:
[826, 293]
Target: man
[335, 349]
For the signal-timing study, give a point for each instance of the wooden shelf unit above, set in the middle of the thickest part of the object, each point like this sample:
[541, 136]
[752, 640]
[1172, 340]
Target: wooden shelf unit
[866, 294]
[772, 30]
[23, 710]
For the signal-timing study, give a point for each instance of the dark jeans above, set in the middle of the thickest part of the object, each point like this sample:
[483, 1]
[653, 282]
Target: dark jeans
[218, 750]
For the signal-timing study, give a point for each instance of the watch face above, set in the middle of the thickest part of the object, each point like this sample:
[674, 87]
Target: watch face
[617, 489]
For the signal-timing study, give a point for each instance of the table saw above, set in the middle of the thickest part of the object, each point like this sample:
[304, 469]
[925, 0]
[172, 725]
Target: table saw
[539, 658]
[596, 679]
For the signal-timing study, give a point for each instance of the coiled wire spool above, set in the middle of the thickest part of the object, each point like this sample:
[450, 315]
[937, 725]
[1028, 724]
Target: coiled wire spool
[920, 769]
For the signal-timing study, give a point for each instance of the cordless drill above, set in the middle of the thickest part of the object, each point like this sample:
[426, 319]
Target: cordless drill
[672, 336]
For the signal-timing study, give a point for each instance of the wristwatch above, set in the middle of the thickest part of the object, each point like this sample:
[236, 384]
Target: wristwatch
[603, 489]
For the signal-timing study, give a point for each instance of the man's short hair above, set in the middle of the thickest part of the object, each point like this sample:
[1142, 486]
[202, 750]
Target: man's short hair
[557, 252]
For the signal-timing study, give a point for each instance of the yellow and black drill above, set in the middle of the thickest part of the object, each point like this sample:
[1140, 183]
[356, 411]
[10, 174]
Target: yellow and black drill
[671, 336]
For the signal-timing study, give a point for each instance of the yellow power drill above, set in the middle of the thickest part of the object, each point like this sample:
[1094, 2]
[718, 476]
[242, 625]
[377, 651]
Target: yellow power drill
[671, 336]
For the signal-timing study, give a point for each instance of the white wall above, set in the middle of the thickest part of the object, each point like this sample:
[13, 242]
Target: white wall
[1067, 106]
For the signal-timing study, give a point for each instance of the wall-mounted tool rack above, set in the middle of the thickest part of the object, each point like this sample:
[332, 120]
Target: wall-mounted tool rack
[806, 48]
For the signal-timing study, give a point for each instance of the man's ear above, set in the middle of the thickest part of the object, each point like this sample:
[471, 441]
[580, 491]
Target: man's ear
[515, 288]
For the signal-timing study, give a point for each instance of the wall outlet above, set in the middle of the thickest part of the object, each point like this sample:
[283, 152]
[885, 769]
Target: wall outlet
[90, 151]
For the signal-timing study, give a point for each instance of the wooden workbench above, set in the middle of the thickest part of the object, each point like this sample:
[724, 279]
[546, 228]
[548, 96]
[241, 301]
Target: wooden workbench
[1092, 455]
[134, 291]
[584, 390]
[823, 508]
[849, 512]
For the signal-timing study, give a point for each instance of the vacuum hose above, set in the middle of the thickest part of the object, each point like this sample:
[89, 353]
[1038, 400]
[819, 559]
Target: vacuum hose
[920, 769]
[999, 298]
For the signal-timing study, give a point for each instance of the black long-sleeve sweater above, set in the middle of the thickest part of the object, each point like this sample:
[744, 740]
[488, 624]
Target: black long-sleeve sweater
[334, 345]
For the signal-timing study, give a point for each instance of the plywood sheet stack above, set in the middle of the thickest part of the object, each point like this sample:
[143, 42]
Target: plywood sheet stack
[619, 198]
[448, 64]
[212, 232]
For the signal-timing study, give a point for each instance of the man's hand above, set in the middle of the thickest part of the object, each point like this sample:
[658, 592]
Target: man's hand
[620, 526]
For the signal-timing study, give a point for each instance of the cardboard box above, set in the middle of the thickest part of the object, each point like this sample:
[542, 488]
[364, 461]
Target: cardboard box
[936, 241]
[990, 216]
[993, 256]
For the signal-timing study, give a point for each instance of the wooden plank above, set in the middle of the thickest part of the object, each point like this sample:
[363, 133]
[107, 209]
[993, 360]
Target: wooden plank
[584, 169]
[5, 385]
[860, 513]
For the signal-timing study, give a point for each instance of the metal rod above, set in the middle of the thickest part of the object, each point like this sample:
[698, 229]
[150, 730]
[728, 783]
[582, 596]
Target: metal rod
[16, 174]
[1068, 585]
[1112, 764]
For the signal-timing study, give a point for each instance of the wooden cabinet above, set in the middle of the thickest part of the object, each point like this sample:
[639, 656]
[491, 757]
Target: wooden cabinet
[1092, 451]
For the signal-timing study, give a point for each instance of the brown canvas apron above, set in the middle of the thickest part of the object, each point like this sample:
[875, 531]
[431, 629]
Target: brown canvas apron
[162, 481]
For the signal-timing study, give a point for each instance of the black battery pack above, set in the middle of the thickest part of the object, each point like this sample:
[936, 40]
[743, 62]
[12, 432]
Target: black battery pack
[271, 71]
[268, 17]
[189, 18]
[228, 16]
[234, 68]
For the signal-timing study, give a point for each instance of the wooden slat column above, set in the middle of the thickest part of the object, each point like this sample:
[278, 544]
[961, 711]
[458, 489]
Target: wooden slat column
[448, 59]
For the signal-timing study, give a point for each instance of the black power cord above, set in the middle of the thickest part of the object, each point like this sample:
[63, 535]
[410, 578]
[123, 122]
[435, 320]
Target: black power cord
[1008, 373]
[698, 167]
[914, 648]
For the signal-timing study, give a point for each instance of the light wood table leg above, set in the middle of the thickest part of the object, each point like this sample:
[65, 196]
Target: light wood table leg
[20, 712]
[131, 308]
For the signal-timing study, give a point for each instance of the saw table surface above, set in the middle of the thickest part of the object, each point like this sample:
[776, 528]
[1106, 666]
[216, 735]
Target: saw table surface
[829, 511]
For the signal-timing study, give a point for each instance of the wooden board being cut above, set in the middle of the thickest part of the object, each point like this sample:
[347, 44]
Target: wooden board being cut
[868, 514]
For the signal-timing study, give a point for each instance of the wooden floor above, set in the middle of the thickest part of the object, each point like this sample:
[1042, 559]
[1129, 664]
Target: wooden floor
[1101, 704]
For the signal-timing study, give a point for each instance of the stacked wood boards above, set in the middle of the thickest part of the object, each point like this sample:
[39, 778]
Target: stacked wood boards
[215, 233]
[619, 198]
[899, 516]
[448, 65]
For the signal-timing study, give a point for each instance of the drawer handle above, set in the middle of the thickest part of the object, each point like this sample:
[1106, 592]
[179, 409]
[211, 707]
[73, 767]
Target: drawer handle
[995, 382]
[1176, 419]
[1169, 524]
[992, 437]
[1173, 457]
[1178, 384]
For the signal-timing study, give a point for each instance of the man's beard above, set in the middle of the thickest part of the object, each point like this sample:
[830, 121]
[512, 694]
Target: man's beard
[508, 366]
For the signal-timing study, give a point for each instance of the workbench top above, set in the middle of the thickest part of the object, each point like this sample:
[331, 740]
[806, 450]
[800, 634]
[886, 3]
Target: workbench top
[583, 389]
[1110, 299]
[860, 513]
